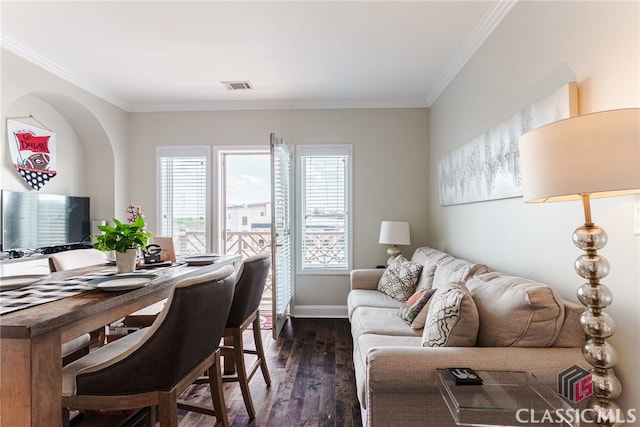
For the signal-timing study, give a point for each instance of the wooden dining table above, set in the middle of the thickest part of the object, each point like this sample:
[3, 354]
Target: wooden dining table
[31, 339]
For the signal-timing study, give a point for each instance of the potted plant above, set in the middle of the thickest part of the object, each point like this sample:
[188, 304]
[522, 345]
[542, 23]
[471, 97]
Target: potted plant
[125, 239]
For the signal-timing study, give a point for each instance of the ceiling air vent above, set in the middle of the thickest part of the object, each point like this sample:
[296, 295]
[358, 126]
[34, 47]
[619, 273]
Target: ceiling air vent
[239, 85]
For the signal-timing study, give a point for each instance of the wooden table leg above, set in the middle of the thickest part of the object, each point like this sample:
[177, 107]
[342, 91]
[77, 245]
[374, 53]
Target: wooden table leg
[31, 381]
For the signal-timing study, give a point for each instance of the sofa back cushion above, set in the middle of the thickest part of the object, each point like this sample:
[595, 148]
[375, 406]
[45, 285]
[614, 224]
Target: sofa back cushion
[450, 270]
[571, 334]
[452, 319]
[516, 312]
[427, 257]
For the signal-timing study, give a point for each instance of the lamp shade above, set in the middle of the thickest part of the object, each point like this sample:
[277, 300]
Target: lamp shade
[394, 233]
[596, 154]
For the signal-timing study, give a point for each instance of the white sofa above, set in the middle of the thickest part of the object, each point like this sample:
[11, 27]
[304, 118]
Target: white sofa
[521, 325]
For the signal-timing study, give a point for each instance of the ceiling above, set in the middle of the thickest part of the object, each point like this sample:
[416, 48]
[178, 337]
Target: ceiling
[173, 55]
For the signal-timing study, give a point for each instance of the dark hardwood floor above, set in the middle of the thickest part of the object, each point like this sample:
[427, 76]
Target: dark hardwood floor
[312, 383]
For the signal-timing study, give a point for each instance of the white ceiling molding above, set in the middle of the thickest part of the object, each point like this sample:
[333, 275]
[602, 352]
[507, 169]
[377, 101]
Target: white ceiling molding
[281, 105]
[45, 63]
[489, 23]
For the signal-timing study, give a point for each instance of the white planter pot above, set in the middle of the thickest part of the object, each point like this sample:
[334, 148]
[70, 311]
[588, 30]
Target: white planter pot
[126, 261]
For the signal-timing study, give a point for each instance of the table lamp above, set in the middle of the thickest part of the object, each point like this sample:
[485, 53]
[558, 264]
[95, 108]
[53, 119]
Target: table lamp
[581, 158]
[394, 233]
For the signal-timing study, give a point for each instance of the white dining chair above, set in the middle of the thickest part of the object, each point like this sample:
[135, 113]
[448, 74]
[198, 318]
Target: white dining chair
[68, 260]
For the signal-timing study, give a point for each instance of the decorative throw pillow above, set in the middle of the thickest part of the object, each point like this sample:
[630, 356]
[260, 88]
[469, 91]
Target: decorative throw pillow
[400, 278]
[414, 306]
[421, 317]
[452, 320]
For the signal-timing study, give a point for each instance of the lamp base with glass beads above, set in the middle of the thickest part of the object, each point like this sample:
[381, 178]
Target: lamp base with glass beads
[597, 325]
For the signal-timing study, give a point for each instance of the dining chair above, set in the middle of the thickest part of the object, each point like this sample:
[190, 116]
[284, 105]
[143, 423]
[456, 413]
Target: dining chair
[151, 367]
[67, 260]
[252, 277]
[76, 258]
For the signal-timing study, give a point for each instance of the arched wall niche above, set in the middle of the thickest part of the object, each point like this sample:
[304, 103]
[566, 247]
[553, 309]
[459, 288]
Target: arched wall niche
[85, 158]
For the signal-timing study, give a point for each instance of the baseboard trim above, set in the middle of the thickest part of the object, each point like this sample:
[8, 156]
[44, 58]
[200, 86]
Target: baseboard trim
[320, 311]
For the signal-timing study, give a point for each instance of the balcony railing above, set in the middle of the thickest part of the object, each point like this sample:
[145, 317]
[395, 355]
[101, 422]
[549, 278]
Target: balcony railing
[247, 243]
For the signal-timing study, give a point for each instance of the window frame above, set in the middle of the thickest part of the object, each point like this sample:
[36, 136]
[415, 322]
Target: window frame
[302, 151]
[186, 151]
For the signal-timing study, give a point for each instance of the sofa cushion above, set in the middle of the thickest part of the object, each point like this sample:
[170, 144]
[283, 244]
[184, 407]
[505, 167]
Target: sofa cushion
[370, 298]
[412, 309]
[427, 257]
[381, 321]
[450, 270]
[452, 320]
[515, 311]
[400, 278]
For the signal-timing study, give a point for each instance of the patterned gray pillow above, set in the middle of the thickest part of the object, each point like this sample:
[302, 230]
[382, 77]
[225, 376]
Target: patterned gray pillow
[400, 278]
[452, 320]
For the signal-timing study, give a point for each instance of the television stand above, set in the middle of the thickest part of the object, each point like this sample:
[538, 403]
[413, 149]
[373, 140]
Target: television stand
[62, 248]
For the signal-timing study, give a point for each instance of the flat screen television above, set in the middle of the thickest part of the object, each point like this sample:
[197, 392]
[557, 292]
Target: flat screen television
[33, 220]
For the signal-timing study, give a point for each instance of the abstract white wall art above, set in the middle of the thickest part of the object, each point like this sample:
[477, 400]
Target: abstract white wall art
[488, 166]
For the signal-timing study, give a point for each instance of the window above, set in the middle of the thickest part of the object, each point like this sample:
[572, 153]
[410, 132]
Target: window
[183, 197]
[324, 189]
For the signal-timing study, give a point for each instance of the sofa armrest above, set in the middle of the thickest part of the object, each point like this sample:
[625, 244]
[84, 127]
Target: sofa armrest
[366, 278]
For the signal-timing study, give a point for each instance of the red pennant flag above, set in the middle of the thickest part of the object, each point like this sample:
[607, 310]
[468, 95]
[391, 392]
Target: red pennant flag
[36, 144]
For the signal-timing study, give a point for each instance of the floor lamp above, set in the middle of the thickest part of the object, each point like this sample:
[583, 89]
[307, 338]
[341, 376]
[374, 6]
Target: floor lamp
[581, 158]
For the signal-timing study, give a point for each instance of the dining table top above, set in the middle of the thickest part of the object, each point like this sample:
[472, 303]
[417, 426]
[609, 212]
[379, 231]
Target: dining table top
[96, 303]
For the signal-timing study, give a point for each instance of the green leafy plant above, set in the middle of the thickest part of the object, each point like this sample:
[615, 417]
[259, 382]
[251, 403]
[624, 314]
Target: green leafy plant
[122, 236]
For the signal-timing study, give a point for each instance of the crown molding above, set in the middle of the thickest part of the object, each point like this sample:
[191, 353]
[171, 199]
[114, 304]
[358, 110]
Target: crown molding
[284, 104]
[56, 69]
[485, 27]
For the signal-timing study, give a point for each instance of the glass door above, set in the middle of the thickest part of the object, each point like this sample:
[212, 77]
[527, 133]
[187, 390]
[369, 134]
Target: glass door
[281, 238]
[245, 208]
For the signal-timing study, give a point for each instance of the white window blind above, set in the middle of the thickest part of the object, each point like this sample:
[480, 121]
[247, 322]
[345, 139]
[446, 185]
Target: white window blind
[183, 197]
[324, 189]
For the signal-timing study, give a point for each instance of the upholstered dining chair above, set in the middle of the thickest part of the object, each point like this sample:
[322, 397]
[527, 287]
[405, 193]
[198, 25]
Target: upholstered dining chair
[154, 365]
[76, 258]
[252, 276]
[67, 260]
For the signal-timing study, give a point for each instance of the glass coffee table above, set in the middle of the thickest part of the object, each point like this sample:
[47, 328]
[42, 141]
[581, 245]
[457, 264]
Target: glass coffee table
[506, 398]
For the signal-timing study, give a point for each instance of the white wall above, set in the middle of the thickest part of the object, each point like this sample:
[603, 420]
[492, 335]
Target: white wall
[389, 176]
[539, 47]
